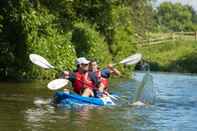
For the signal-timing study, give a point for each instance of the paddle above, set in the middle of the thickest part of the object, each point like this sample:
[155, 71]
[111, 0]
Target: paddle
[42, 62]
[59, 83]
[131, 60]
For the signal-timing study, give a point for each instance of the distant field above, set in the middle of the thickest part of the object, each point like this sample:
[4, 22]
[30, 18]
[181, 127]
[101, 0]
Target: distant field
[157, 38]
[177, 56]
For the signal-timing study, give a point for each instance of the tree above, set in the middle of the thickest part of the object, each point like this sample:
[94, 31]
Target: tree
[142, 15]
[174, 17]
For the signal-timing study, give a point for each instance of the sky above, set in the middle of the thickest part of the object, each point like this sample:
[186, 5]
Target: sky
[193, 3]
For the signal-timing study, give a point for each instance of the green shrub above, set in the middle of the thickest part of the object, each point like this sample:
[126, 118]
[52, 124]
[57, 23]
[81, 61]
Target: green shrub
[1, 23]
[44, 38]
[33, 30]
[89, 43]
[52, 30]
[123, 41]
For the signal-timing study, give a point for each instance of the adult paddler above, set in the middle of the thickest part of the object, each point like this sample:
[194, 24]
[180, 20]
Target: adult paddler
[83, 81]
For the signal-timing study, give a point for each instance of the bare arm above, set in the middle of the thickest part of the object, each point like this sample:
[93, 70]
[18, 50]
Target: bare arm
[113, 70]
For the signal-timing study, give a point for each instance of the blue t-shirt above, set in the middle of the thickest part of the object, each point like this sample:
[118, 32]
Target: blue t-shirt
[105, 73]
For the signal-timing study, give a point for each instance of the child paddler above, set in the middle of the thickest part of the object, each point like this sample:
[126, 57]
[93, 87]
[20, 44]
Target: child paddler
[103, 75]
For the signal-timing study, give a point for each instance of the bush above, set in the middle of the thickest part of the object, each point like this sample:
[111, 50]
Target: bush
[32, 30]
[44, 38]
[89, 43]
[123, 41]
[53, 30]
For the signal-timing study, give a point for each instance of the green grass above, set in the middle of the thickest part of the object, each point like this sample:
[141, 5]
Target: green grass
[177, 56]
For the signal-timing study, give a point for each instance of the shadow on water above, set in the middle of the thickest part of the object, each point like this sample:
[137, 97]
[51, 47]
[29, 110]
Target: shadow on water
[185, 64]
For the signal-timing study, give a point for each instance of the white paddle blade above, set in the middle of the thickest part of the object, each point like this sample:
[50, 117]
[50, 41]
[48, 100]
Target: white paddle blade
[134, 59]
[57, 84]
[40, 61]
[113, 97]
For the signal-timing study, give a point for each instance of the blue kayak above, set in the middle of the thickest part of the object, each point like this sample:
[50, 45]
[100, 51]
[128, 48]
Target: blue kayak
[63, 99]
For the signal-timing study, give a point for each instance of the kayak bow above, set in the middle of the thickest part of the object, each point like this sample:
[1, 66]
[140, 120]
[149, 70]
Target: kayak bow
[63, 99]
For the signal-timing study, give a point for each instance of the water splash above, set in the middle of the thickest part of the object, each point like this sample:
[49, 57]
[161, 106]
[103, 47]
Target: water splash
[145, 92]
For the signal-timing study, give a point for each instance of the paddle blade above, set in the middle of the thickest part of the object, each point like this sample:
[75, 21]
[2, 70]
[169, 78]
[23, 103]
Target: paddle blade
[40, 61]
[57, 84]
[134, 59]
[113, 97]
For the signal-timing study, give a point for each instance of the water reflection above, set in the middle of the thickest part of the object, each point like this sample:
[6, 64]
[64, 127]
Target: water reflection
[38, 115]
[29, 109]
[43, 115]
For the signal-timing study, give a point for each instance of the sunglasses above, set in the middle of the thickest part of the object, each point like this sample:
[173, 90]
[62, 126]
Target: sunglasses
[85, 64]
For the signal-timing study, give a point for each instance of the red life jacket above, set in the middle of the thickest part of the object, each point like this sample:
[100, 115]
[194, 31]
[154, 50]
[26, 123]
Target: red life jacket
[82, 81]
[98, 73]
[103, 80]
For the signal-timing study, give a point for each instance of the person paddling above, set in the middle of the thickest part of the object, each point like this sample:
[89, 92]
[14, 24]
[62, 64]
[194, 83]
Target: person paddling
[103, 75]
[82, 80]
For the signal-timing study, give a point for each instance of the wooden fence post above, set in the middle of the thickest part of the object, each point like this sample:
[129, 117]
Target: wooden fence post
[148, 37]
[173, 37]
[196, 35]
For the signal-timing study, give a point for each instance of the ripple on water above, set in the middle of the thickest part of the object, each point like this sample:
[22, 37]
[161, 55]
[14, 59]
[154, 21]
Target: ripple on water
[175, 108]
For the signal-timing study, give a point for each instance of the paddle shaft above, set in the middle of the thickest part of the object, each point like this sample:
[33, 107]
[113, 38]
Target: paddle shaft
[42, 62]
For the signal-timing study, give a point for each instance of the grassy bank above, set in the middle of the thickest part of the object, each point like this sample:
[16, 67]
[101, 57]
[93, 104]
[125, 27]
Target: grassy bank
[175, 56]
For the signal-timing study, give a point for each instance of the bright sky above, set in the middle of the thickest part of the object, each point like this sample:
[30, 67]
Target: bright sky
[193, 3]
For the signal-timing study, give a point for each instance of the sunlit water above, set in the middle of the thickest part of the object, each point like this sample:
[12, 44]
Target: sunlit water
[25, 107]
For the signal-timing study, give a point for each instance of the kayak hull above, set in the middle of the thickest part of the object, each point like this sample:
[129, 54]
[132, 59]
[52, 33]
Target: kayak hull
[63, 99]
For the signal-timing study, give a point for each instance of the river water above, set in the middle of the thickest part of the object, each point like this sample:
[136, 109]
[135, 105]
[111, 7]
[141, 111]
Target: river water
[26, 107]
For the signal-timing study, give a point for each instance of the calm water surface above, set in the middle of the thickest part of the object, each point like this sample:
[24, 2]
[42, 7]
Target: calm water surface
[25, 107]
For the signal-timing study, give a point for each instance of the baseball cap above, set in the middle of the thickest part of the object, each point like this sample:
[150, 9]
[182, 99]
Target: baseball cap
[82, 60]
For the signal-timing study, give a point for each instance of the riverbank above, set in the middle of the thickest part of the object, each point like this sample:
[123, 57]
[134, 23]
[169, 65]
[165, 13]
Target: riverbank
[175, 56]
